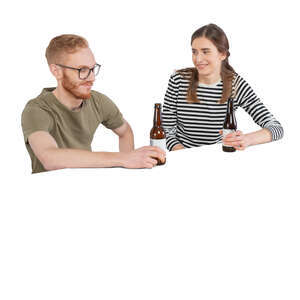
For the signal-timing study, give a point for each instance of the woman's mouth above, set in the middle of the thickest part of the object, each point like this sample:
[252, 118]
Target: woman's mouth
[201, 66]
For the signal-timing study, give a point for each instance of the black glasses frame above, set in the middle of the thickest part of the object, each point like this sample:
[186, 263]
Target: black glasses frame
[79, 70]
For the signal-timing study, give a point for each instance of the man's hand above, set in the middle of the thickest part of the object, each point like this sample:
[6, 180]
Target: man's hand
[143, 157]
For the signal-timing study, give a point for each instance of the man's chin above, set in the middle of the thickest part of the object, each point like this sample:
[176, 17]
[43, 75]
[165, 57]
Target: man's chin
[86, 96]
[83, 96]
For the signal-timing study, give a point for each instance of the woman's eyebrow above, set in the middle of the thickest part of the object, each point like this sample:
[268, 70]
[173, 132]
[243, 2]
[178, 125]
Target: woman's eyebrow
[203, 49]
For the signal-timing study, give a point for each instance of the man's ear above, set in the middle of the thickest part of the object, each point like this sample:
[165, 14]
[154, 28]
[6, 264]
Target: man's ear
[56, 71]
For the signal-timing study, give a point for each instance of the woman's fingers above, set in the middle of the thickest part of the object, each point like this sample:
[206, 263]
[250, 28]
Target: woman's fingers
[240, 147]
[235, 139]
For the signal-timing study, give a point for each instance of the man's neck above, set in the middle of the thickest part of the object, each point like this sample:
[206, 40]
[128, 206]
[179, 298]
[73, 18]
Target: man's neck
[67, 99]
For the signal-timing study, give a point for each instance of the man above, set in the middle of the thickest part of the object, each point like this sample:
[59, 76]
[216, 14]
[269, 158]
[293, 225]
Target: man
[59, 124]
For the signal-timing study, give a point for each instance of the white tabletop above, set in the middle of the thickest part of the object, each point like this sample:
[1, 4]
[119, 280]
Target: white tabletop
[207, 225]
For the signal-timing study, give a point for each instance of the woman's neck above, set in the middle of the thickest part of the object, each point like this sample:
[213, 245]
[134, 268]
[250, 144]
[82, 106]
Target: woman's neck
[210, 79]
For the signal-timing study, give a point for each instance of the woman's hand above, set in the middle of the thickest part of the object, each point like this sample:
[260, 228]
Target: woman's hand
[236, 139]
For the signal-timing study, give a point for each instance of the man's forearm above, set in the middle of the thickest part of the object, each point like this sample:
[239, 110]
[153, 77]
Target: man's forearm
[75, 158]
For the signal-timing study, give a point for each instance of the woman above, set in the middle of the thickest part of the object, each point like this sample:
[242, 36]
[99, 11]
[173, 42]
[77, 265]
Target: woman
[196, 99]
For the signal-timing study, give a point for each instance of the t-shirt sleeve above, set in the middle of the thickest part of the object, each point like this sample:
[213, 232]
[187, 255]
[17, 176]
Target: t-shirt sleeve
[35, 119]
[112, 117]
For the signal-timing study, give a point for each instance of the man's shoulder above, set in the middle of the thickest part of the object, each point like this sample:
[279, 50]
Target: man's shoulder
[101, 100]
[99, 96]
[111, 117]
[42, 101]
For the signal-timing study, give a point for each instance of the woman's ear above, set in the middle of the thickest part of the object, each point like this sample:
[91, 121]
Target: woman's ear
[223, 56]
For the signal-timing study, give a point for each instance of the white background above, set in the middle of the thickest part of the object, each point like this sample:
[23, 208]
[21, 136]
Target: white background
[205, 226]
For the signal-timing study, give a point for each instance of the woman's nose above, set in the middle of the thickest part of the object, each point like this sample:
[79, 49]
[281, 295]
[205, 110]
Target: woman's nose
[199, 58]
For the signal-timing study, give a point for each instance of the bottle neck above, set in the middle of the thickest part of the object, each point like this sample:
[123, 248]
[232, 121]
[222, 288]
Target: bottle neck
[157, 116]
[230, 121]
[230, 106]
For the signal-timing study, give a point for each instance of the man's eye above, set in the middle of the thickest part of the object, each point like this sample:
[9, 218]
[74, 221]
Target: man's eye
[84, 70]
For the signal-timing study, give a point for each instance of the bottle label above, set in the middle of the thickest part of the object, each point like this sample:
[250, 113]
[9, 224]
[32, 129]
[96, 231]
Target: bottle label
[225, 133]
[161, 143]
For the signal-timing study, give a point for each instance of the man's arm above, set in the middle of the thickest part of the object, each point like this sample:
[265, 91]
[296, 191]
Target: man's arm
[46, 150]
[126, 139]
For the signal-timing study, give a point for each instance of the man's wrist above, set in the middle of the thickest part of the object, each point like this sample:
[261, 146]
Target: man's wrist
[109, 159]
[121, 158]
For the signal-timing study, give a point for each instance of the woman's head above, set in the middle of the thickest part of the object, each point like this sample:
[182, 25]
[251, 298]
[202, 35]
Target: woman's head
[210, 52]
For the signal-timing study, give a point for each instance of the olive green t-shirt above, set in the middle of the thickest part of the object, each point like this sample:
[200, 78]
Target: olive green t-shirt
[70, 129]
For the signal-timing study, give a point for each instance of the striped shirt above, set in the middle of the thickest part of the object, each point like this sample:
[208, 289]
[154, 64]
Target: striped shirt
[197, 124]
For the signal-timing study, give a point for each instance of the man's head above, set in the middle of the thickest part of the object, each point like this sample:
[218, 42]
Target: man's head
[71, 51]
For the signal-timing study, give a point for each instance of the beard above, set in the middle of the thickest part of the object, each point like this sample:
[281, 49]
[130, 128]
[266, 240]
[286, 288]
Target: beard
[73, 88]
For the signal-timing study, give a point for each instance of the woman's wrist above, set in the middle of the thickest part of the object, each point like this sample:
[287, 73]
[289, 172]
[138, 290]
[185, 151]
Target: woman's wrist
[258, 137]
[177, 147]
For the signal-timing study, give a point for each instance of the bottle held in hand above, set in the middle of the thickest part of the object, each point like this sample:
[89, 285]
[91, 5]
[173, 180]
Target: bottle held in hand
[229, 125]
[157, 133]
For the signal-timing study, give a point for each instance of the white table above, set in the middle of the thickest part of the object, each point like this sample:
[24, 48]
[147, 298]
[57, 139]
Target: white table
[207, 225]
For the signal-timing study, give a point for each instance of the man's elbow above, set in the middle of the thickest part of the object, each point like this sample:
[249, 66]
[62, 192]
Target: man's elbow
[50, 162]
[51, 167]
[124, 130]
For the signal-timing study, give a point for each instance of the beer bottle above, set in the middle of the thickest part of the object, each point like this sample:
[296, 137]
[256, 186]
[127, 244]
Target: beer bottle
[157, 133]
[229, 124]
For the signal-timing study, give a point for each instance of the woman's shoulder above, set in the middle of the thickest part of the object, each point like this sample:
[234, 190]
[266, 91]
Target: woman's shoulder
[182, 75]
[239, 80]
[242, 87]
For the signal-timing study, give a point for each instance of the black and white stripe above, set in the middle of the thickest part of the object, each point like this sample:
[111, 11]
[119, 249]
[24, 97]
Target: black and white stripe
[197, 124]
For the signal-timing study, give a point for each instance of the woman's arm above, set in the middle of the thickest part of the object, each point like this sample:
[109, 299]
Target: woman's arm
[169, 114]
[248, 100]
[271, 128]
[241, 141]
[177, 147]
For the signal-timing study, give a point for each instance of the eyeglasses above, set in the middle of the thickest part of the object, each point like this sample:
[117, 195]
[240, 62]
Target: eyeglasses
[84, 72]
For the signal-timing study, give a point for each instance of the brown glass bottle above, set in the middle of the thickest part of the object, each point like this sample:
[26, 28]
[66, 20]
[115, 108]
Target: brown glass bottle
[157, 133]
[229, 125]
